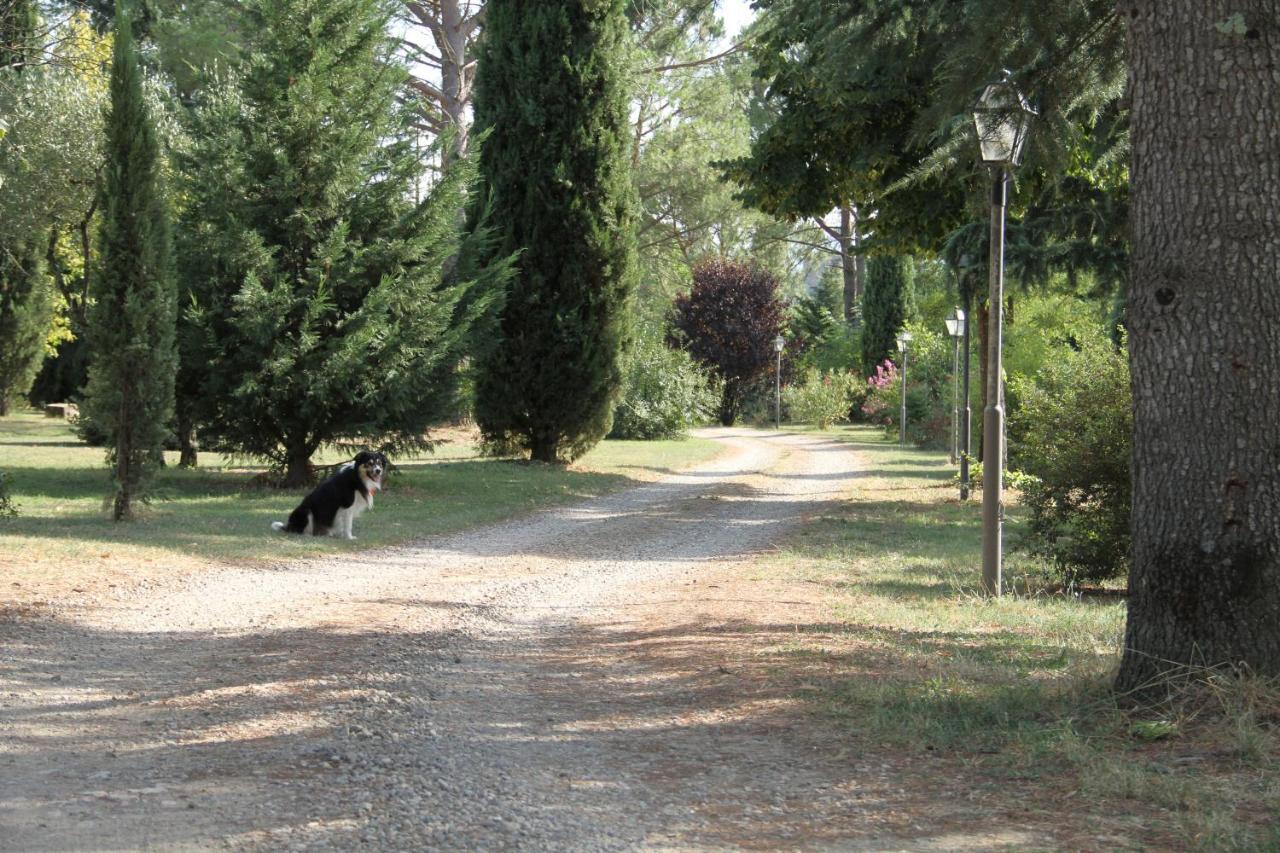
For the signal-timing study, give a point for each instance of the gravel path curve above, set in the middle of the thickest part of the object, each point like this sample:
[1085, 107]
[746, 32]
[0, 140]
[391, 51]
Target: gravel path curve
[457, 693]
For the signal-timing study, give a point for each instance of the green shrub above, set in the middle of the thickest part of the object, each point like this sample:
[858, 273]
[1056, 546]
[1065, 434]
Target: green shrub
[8, 507]
[821, 399]
[664, 392]
[1072, 435]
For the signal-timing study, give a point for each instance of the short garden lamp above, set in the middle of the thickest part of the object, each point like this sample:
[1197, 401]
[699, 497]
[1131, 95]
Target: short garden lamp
[903, 340]
[1002, 119]
[779, 343]
[955, 328]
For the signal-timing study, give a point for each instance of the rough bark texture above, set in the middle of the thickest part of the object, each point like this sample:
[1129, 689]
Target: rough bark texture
[1204, 307]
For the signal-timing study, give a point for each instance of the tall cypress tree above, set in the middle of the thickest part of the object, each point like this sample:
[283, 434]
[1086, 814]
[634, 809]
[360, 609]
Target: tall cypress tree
[26, 310]
[320, 308]
[886, 305]
[131, 323]
[26, 293]
[551, 95]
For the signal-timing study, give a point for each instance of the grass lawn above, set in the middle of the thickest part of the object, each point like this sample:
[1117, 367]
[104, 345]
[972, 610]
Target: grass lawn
[215, 514]
[1016, 688]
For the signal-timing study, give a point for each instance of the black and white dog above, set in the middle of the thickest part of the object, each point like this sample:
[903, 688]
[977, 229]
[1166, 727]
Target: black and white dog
[334, 504]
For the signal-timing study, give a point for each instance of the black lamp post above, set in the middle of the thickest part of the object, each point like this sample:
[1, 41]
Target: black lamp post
[1001, 118]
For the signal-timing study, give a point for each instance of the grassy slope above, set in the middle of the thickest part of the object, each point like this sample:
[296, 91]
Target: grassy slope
[216, 514]
[1018, 687]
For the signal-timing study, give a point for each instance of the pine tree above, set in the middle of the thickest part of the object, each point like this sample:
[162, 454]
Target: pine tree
[886, 306]
[319, 311]
[551, 93]
[131, 323]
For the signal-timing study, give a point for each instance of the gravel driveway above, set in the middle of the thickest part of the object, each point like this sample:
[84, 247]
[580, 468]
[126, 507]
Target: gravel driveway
[535, 684]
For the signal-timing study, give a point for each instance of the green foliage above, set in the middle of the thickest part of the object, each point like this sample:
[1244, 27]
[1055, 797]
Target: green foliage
[130, 390]
[8, 506]
[26, 310]
[821, 399]
[19, 23]
[840, 88]
[887, 302]
[1072, 435]
[49, 169]
[551, 94]
[664, 392]
[318, 307]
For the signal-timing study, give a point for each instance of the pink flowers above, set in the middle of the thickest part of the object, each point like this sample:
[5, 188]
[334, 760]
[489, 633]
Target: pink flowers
[886, 374]
[878, 406]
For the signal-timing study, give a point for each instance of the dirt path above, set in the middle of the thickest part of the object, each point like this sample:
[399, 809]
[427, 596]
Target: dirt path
[579, 679]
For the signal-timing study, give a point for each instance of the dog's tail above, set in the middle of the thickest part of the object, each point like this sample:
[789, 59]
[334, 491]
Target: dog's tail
[278, 526]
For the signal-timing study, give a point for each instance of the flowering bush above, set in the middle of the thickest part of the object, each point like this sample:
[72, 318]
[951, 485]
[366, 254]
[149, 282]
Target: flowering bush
[882, 394]
[929, 391]
[821, 399]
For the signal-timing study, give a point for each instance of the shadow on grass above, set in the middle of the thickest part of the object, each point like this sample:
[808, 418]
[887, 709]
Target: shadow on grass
[222, 514]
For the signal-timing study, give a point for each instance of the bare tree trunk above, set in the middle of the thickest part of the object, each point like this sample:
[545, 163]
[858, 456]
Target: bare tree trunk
[122, 508]
[1204, 309]
[188, 450]
[848, 266]
[454, 26]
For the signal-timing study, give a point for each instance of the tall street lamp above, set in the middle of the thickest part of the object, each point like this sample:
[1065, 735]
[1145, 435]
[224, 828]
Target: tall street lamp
[778, 344]
[955, 328]
[1001, 118]
[903, 339]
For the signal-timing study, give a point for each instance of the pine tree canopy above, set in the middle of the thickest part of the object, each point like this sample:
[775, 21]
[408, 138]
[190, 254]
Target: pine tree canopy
[318, 286]
[551, 94]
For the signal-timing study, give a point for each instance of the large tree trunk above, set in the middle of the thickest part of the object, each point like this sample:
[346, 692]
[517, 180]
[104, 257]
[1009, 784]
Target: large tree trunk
[1204, 308]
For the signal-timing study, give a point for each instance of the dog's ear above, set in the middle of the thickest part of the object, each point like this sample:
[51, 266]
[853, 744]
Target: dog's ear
[362, 457]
